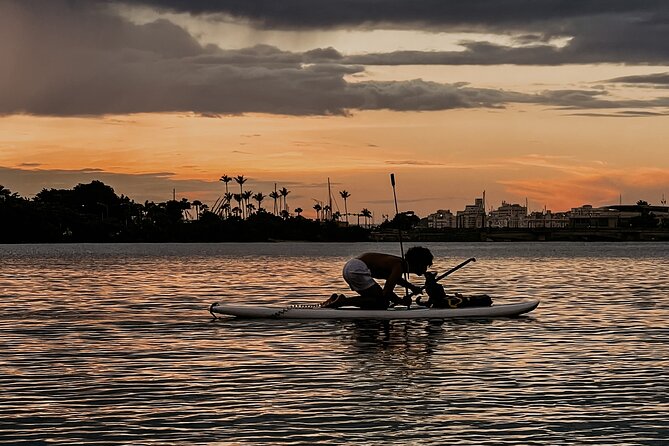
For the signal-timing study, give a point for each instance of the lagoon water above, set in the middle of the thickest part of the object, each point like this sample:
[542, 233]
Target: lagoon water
[113, 344]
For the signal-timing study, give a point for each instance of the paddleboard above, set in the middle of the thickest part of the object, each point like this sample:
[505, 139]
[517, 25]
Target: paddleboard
[415, 312]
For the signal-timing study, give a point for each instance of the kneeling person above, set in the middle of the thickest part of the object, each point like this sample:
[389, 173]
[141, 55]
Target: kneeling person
[360, 272]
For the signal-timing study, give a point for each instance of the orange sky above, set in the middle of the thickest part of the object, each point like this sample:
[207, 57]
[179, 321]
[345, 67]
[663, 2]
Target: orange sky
[534, 145]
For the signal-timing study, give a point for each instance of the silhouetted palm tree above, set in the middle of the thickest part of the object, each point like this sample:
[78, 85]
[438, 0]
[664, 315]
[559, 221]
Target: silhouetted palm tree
[238, 199]
[246, 196]
[344, 194]
[250, 207]
[299, 211]
[275, 196]
[367, 214]
[228, 201]
[259, 197]
[318, 208]
[327, 210]
[284, 193]
[226, 179]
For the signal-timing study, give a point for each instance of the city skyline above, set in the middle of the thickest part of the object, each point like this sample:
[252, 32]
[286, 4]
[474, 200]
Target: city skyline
[564, 106]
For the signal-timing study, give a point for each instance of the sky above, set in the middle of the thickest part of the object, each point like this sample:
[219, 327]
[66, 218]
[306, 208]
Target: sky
[551, 102]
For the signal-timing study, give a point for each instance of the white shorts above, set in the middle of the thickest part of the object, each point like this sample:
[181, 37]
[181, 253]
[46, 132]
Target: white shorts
[358, 276]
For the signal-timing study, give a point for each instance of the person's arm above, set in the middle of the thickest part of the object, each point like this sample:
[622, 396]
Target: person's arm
[394, 279]
[405, 283]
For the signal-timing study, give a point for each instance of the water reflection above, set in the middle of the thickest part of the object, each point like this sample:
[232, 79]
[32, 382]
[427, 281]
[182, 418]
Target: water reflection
[113, 345]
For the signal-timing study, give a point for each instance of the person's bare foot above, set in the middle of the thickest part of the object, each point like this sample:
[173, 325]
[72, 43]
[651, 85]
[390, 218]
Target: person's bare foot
[334, 301]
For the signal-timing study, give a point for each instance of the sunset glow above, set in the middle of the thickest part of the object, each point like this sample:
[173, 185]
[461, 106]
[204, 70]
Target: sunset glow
[150, 97]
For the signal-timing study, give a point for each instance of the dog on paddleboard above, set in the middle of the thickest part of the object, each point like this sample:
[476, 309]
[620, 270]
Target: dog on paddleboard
[437, 297]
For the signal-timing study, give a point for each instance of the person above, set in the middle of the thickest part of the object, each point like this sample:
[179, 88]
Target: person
[360, 272]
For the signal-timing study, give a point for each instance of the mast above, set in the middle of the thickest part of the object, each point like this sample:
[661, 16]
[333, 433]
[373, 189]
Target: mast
[329, 198]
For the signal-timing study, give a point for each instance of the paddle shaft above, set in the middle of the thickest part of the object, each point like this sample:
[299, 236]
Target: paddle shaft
[450, 271]
[397, 213]
[399, 226]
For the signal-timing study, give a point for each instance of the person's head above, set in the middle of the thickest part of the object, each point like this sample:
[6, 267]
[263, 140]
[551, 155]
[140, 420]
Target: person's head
[418, 259]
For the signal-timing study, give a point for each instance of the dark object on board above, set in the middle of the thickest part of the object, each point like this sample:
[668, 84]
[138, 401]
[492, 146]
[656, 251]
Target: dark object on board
[439, 299]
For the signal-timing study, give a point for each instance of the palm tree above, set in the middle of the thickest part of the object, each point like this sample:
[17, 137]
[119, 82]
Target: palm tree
[327, 211]
[299, 211]
[344, 194]
[250, 207]
[226, 179]
[226, 208]
[247, 196]
[259, 197]
[228, 200]
[238, 199]
[239, 179]
[284, 193]
[318, 208]
[275, 196]
[367, 214]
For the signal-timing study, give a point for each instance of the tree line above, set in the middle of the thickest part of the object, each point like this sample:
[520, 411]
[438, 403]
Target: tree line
[93, 212]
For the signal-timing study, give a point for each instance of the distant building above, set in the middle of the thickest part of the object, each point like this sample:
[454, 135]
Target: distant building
[473, 216]
[587, 217]
[441, 219]
[628, 213]
[508, 216]
[548, 220]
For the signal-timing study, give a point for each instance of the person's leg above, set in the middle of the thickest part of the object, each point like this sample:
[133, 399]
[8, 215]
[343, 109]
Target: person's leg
[369, 299]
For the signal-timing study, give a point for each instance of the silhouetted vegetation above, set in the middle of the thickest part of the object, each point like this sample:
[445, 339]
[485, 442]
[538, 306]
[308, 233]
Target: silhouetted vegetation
[94, 213]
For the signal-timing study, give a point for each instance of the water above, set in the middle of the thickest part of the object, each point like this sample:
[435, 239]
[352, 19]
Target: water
[113, 344]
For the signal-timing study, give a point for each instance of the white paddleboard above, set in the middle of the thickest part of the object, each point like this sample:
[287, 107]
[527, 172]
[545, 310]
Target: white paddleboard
[417, 312]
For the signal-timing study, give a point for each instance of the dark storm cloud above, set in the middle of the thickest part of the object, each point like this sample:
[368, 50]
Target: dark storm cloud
[299, 14]
[65, 59]
[615, 31]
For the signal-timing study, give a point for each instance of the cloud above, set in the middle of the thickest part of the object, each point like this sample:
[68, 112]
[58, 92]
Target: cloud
[300, 14]
[622, 114]
[69, 59]
[599, 31]
[414, 163]
[656, 79]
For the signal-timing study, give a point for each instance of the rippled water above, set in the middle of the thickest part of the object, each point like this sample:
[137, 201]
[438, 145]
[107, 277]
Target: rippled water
[113, 344]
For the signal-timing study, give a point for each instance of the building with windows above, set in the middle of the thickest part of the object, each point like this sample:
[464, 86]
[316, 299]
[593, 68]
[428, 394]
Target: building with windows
[508, 216]
[548, 219]
[441, 219]
[473, 216]
[587, 217]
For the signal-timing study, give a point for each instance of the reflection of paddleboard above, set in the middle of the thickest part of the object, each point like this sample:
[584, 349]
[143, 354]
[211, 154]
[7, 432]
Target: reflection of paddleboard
[302, 312]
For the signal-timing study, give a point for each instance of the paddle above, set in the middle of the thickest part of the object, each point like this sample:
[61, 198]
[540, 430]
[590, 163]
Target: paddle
[450, 271]
[399, 232]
